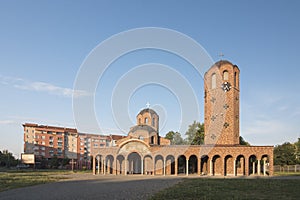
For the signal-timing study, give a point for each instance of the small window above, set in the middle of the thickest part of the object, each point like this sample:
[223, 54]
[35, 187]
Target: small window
[213, 81]
[146, 120]
[235, 79]
[153, 121]
[225, 75]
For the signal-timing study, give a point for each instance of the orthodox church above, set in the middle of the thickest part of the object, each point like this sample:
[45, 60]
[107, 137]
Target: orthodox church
[144, 151]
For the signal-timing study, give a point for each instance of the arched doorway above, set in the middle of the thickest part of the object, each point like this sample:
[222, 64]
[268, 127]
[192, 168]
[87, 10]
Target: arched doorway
[170, 165]
[217, 165]
[193, 164]
[134, 163]
[120, 164]
[159, 165]
[204, 165]
[229, 165]
[240, 165]
[148, 165]
[109, 164]
[181, 164]
[265, 165]
[252, 165]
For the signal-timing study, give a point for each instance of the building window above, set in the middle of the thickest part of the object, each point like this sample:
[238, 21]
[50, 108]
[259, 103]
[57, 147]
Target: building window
[235, 79]
[146, 120]
[225, 75]
[213, 81]
[153, 121]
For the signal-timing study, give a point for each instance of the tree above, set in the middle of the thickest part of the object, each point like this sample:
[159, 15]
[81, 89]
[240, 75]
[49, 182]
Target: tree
[175, 138]
[244, 142]
[195, 134]
[170, 135]
[285, 154]
[7, 159]
[54, 162]
[297, 146]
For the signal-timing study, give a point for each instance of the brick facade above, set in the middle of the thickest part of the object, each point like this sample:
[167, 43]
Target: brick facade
[143, 151]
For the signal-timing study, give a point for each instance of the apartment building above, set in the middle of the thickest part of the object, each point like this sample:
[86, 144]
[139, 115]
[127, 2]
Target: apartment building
[47, 141]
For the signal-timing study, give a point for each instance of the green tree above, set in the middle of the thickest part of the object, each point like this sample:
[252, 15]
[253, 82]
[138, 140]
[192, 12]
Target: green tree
[195, 134]
[7, 159]
[175, 138]
[297, 146]
[285, 154]
[54, 162]
[244, 142]
[170, 135]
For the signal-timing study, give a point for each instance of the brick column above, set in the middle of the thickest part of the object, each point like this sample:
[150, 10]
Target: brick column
[187, 167]
[94, 165]
[210, 167]
[258, 167]
[199, 166]
[234, 167]
[176, 166]
[246, 166]
[164, 166]
[98, 162]
[264, 166]
[142, 166]
[125, 166]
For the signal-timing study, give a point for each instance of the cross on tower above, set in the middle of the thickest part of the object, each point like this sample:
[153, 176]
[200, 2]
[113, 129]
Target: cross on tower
[221, 55]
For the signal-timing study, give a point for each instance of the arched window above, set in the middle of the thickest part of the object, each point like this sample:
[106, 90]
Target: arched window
[213, 81]
[153, 121]
[235, 79]
[146, 120]
[225, 75]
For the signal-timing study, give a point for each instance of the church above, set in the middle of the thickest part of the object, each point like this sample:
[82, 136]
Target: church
[145, 152]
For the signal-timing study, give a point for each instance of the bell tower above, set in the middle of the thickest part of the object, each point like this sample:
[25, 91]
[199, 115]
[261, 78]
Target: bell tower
[222, 93]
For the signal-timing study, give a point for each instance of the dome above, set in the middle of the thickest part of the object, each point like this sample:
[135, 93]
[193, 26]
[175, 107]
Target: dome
[147, 110]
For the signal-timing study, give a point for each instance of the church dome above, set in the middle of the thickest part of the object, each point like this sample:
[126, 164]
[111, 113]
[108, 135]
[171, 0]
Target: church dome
[148, 117]
[147, 110]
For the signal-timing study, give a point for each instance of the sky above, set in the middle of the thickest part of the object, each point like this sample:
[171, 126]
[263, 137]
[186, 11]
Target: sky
[44, 46]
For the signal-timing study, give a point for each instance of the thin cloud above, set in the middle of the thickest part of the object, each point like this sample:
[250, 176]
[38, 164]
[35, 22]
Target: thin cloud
[49, 88]
[5, 122]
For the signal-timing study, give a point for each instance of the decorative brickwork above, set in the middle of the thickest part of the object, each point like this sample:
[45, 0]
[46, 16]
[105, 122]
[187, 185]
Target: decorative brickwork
[145, 152]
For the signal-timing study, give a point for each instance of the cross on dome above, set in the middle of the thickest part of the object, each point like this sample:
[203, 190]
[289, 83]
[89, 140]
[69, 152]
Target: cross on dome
[148, 105]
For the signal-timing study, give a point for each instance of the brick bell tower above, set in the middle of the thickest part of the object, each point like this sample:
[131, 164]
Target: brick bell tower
[222, 92]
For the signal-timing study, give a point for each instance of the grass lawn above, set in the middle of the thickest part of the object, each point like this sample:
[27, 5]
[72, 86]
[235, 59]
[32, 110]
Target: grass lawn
[212, 188]
[16, 179]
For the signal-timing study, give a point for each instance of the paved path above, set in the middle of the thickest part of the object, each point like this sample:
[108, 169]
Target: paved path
[83, 186]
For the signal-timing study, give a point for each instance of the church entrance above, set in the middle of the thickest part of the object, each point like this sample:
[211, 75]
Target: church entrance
[135, 164]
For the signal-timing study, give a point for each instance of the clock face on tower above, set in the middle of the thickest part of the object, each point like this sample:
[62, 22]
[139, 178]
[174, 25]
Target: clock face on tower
[226, 86]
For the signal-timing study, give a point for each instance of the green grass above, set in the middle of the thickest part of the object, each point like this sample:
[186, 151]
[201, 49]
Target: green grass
[287, 174]
[16, 179]
[208, 188]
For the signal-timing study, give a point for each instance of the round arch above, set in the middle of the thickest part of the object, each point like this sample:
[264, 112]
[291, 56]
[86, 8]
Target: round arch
[217, 165]
[229, 165]
[170, 165]
[240, 165]
[193, 164]
[148, 165]
[134, 163]
[252, 164]
[181, 164]
[204, 165]
[159, 165]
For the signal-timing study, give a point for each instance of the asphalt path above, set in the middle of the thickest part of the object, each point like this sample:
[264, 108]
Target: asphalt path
[83, 186]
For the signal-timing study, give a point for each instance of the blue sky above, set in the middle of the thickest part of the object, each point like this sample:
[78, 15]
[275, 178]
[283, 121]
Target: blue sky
[44, 43]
